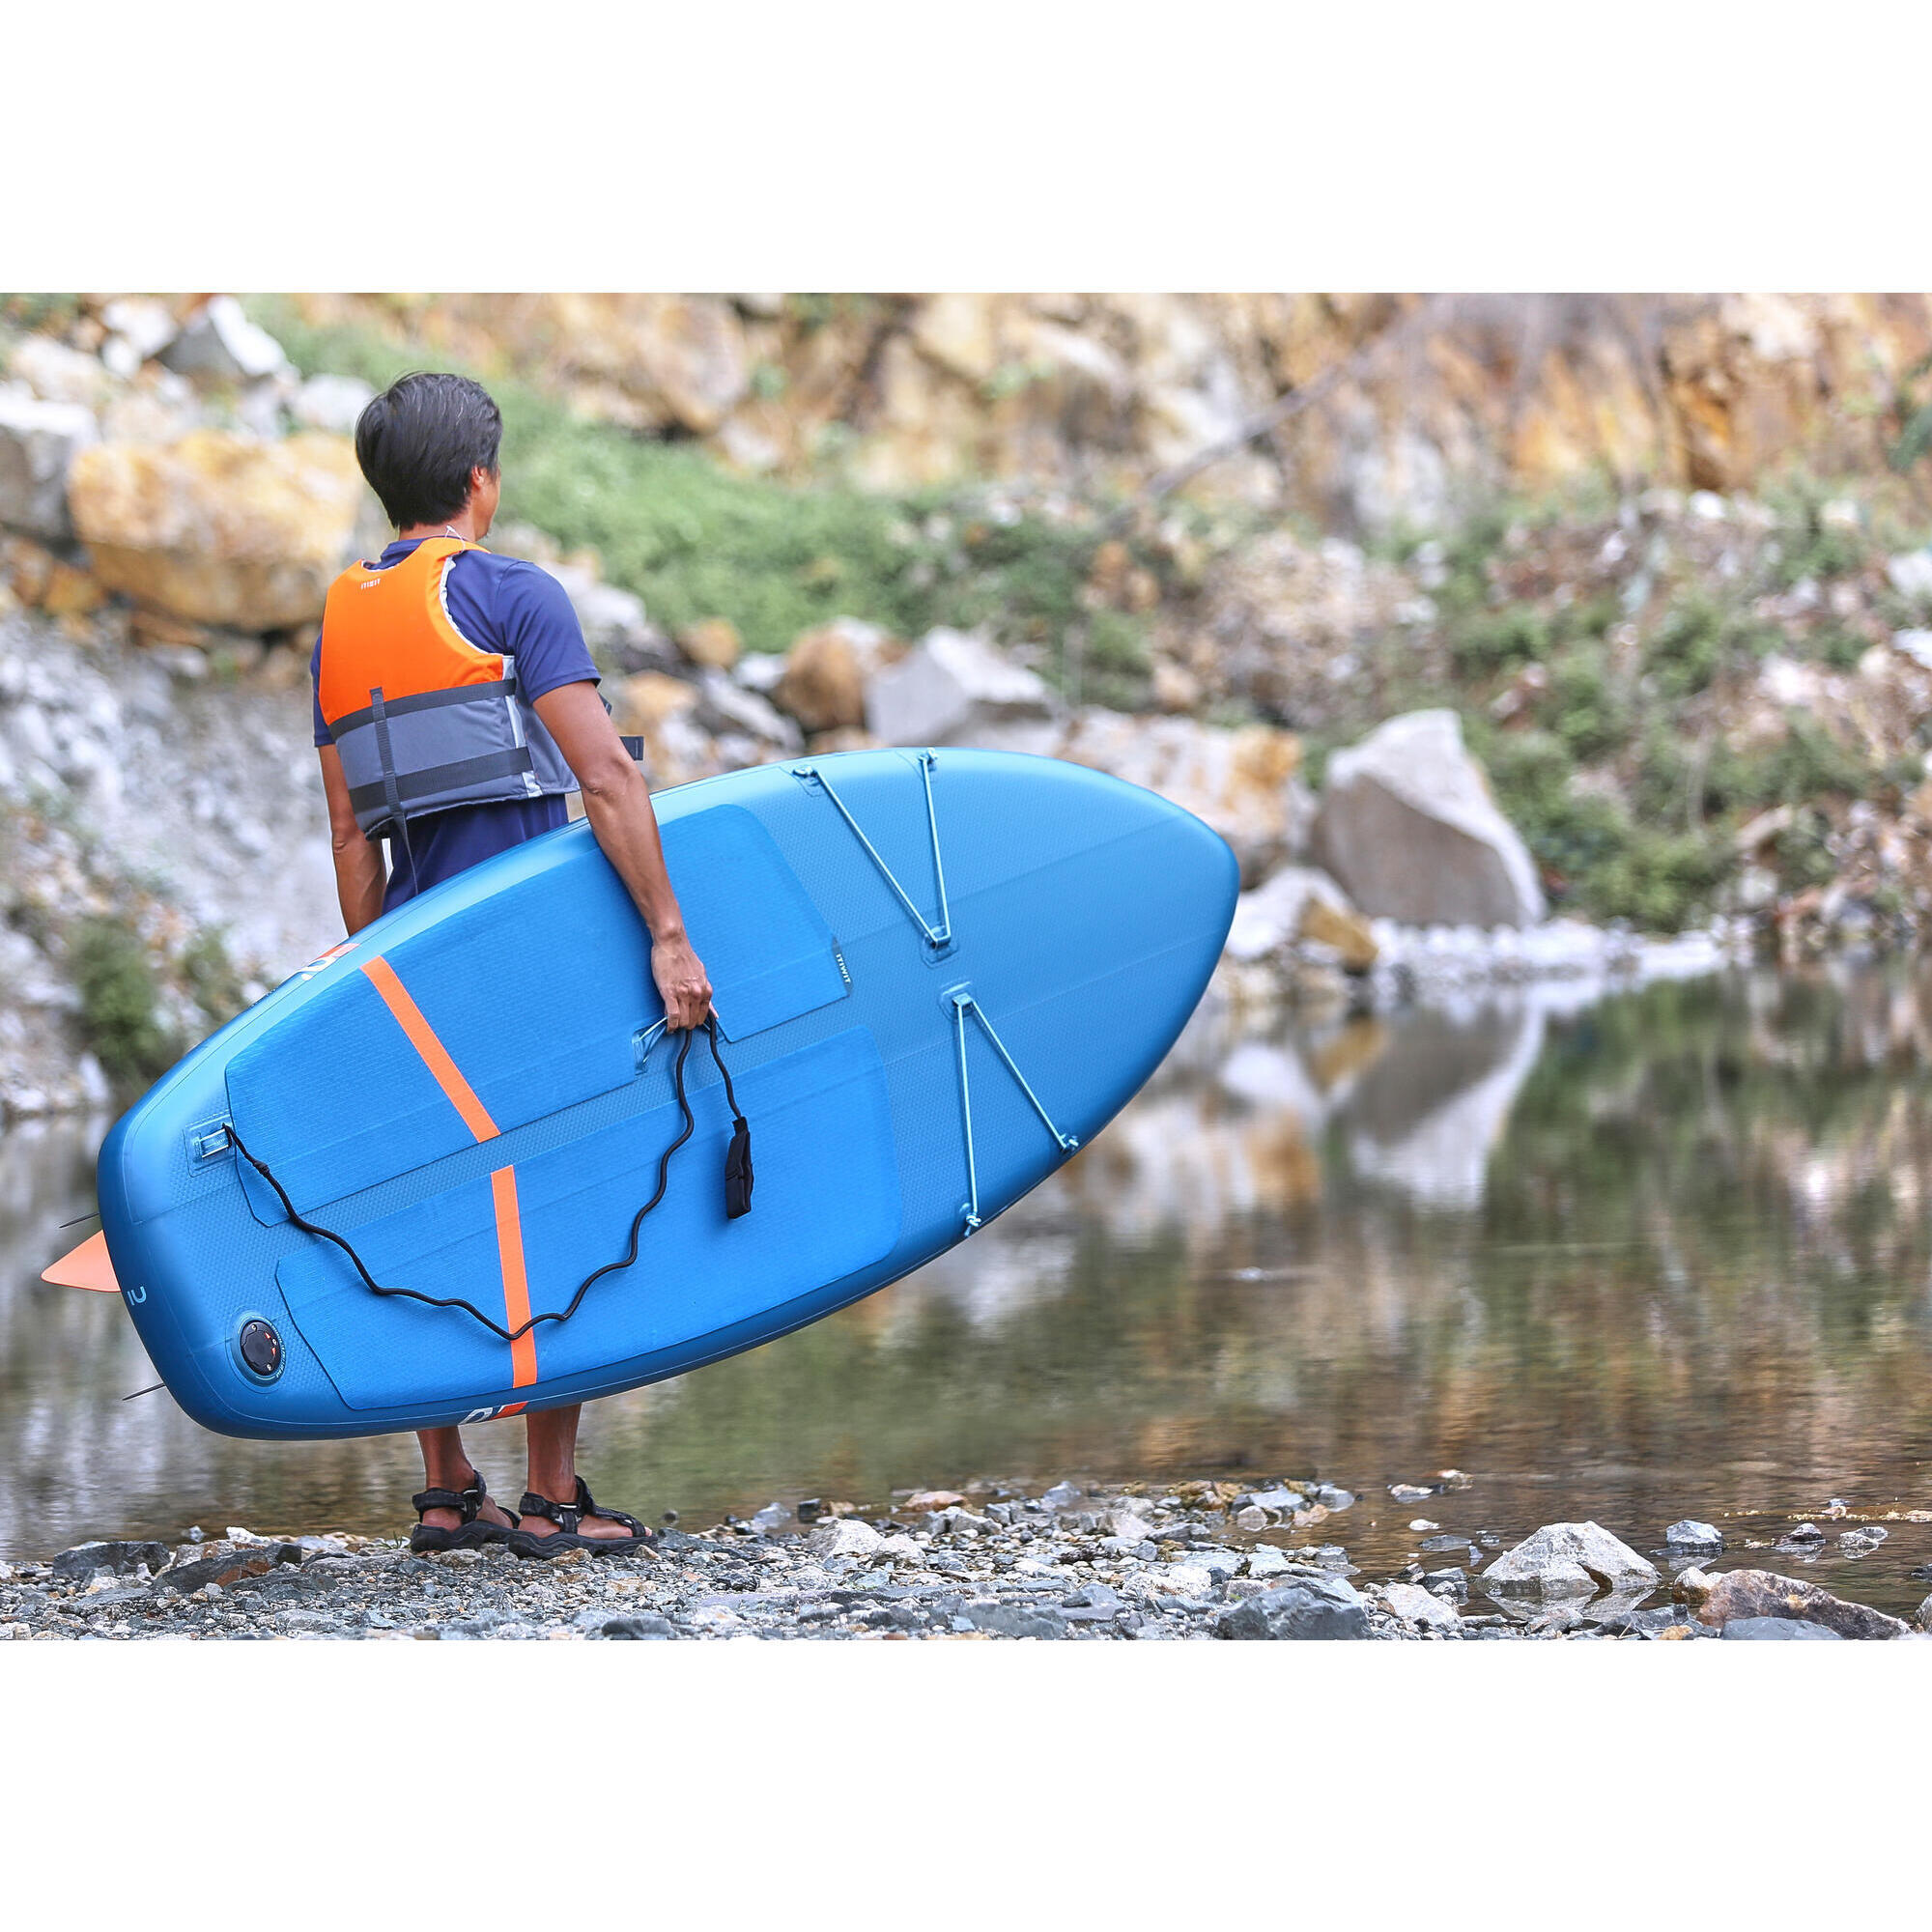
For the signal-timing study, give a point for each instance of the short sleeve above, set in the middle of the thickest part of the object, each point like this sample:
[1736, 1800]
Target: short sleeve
[322, 731]
[539, 628]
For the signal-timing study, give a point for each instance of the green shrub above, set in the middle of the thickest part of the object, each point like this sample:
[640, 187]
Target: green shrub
[1806, 764]
[1571, 834]
[1662, 775]
[1467, 553]
[37, 312]
[1803, 857]
[212, 978]
[1584, 706]
[1487, 641]
[1808, 547]
[1685, 650]
[1021, 578]
[1833, 646]
[1661, 880]
[1915, 415]
[119, 1001]
[1593, 618]
[1595, 858]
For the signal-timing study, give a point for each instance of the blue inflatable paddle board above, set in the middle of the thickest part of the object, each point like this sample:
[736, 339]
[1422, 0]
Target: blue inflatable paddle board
[936, 974]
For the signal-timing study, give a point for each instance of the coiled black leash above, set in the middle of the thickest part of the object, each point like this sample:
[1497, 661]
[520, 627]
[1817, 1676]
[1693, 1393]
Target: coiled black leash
[738, 1200]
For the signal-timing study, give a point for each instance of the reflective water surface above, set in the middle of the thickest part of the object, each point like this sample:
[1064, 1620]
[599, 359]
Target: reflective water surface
[1665, 1255]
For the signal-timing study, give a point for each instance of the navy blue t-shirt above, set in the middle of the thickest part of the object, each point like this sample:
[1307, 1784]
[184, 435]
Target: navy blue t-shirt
[499, 603]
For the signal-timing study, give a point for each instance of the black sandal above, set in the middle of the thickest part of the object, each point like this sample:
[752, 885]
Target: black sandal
[472, 1532]
[641, 1542]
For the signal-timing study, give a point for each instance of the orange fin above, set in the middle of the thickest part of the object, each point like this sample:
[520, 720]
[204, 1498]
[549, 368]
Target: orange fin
[87, 1266]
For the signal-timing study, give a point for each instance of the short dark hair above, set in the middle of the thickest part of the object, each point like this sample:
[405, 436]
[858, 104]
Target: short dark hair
[419, 440]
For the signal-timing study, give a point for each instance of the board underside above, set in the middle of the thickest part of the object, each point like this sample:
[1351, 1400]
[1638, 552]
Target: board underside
[476, 1094]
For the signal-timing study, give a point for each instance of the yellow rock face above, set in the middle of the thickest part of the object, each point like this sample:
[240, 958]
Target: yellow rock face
[1528, 393]
[823, 686]
[220, 528]
[70, 592]
[1347, 932]
[658, 709]
[640, 705]
[649, 361]
[960, 333]
[712, 642]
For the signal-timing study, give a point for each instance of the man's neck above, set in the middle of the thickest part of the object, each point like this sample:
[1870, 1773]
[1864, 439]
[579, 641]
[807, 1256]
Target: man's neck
[463, 526]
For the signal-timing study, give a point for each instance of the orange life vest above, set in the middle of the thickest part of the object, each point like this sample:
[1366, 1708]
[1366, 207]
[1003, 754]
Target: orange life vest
[423, 719]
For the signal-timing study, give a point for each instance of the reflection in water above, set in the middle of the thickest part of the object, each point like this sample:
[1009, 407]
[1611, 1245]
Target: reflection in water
[1664, 1256]
[1429, 1118]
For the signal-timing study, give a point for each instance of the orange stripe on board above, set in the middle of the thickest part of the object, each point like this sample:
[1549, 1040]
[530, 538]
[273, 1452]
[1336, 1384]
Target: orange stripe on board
[434, 1055]
[516, 1284]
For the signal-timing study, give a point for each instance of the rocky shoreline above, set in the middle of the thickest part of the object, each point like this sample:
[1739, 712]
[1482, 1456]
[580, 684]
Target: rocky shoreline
[1197, 1560]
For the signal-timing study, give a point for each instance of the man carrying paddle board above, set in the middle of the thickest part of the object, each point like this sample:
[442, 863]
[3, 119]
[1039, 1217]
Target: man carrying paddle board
[456, 708]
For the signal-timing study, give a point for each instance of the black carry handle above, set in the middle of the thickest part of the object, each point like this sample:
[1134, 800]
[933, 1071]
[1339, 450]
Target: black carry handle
[738, 1173]
[738, 1155]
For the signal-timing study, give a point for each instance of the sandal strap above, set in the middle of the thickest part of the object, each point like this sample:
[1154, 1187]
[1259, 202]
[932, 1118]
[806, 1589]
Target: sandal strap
[566, 1516]
[588, 1505]
[467, 1503]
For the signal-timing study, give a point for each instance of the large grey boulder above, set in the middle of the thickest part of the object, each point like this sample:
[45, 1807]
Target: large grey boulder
[1408, 829]
[846, 1536]
[1570, 1559]
[1321, 1608]
[222, 344]
[1414, 1604]
[951, 688]
[38, 441]
[724, 706]
[140, 327]
[78, 1564]
[1739, 1596]
[1687, 1533]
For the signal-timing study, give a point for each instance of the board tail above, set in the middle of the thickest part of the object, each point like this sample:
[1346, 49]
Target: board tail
[86, 1267]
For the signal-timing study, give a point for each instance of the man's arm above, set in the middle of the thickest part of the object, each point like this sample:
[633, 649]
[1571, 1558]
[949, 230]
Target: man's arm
[618, 803]
[359, 877]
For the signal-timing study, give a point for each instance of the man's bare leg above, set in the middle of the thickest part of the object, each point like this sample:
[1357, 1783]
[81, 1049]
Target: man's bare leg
[446, 1466]
[552, 1471]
